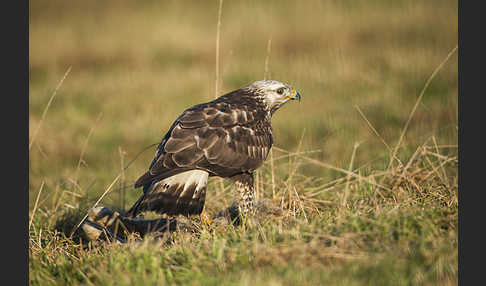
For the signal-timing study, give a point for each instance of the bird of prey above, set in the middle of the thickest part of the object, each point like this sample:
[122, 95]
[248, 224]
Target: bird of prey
[229, 137]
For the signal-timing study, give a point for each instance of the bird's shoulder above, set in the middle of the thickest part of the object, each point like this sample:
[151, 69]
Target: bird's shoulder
[226, 111]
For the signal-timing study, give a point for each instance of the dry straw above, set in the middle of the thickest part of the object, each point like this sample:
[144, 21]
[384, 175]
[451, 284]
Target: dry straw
[217, 81]
[47, 107]
[265, 76]
[419, 99]
[35, 205]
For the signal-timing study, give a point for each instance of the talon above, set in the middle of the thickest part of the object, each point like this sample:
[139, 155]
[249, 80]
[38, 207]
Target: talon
[205, 219]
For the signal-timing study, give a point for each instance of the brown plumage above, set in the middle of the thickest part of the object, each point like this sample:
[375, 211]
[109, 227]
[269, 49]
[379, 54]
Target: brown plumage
[229, 137]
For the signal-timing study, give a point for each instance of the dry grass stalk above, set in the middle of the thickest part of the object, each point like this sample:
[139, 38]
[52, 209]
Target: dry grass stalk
[47, 107]
[346, 188]
[266, 71]
[96, 203]
[85, 146]
[352, 174]
[217, 80]
[296, 165]
[417, 102]
[35, 204]
[265, 76]
[122, 178]
[218, 32]
[437, 151]
[372, 128]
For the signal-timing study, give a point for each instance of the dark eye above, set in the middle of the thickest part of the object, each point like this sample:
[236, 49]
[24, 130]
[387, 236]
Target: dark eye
[280, 90]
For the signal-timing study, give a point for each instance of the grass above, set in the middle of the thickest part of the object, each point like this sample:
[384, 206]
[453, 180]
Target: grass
[108, 78]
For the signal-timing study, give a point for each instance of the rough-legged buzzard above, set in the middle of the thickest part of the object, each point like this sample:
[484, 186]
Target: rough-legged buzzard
[229, 137]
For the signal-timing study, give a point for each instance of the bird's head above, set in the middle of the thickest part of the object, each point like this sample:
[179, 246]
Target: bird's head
[273, 94]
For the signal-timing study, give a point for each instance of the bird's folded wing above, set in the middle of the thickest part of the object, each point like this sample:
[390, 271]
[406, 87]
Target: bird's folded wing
[222, 139]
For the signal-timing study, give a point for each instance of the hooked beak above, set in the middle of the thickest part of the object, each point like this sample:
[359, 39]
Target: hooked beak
[296, 96]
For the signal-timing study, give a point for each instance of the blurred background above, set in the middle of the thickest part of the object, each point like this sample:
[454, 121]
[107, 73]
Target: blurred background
[136, 65]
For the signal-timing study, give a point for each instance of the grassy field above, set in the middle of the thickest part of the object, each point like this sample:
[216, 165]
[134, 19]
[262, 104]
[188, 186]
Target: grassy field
[107, 78]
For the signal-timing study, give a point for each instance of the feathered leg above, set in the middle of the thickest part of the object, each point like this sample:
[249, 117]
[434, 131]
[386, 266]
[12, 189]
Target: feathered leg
[245, 188]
